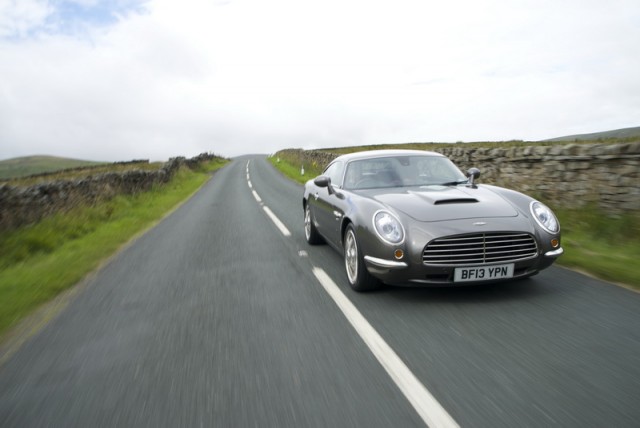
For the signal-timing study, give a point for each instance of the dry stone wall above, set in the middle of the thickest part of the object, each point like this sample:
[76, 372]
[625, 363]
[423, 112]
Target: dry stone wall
[567, 176]
[24, 205]
[562, 176]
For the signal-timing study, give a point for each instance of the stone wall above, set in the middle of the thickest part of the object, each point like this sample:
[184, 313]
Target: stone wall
[86, 170]
[21, 205]
[567, 176]
[562, 176]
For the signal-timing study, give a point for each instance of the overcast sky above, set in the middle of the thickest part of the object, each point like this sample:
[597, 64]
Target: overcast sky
[124, 79]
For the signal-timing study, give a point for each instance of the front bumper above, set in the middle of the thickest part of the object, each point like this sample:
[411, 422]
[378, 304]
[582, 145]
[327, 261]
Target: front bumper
[375, 262]
[401, 273]
[555, 253]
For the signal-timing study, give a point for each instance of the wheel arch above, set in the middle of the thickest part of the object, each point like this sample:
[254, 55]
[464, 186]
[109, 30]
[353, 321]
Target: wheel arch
[346, 221]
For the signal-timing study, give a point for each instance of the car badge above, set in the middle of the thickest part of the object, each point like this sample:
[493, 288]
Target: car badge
[480, 223]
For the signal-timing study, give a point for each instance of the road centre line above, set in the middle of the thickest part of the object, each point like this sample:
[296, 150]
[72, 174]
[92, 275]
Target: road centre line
[428, 408]
[276, 221]
[280, 225]
[425, 404]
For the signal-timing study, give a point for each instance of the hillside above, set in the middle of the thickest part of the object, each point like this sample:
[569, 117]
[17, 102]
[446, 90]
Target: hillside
[617, 133]
[29, 165]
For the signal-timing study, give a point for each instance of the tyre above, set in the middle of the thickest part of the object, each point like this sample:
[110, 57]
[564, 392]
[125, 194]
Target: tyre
[359, 278]
[310, 231]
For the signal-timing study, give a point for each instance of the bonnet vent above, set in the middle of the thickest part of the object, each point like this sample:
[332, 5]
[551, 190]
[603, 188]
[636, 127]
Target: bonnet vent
[456, 201]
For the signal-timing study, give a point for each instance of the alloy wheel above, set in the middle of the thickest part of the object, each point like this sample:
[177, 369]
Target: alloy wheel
[351, 256]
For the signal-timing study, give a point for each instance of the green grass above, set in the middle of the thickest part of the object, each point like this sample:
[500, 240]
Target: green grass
[40, 261]
[28, 165]
[83, 172]
[291, 168]
[603, 246]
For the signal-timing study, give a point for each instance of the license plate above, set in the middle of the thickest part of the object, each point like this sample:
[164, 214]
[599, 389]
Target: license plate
[483, 273]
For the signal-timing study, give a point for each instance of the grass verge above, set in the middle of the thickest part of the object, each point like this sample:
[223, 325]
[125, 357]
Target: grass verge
[289, 168]
[600, 245]
[40, 261]
[603, 246]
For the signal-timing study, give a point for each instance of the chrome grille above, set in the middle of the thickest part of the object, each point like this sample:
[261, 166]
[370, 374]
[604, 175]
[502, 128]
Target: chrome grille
[480, 248]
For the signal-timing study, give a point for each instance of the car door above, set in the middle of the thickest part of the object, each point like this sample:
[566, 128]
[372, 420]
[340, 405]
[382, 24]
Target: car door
[335, 206]
[323, 203]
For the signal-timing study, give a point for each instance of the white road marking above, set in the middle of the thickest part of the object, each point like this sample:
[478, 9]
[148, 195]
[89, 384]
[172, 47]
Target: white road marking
[431, 412]
[425, 404]
[276, 221]
[280, 225]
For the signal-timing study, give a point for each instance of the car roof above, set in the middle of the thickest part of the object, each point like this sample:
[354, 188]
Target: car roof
[371, 154]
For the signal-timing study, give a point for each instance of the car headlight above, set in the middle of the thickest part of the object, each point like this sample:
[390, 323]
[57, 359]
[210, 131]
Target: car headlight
[545, 217]
[388, 227]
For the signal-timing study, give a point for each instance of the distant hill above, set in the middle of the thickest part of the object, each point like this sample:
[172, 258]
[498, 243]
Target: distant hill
[29, 165]
[607, 135]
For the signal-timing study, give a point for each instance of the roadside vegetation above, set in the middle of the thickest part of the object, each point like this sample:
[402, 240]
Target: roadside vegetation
[29, 165]
[604, 246]
[75, 172]
[478, 144]
[293, 169]
[292, 165]
[39, 261]
[598, 244]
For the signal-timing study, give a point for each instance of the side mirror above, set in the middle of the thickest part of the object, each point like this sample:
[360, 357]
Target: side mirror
[322, 181]
[473, 174]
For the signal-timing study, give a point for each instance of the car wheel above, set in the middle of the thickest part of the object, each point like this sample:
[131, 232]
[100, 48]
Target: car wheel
[310, 231]
[359, 278]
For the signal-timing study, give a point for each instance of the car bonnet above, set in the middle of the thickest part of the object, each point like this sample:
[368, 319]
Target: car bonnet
[438, 203]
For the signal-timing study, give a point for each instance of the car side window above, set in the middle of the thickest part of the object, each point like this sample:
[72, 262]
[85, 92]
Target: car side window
[334, 172]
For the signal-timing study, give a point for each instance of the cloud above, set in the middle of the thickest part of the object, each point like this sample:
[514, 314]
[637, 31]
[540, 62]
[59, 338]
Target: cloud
[121, 80]
[18, 17]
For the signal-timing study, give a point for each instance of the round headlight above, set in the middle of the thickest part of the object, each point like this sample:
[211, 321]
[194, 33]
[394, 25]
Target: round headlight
[545, 217]
[388, 227]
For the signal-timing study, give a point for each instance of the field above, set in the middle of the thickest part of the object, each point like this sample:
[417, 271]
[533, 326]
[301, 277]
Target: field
[76, 172]
[30, 165]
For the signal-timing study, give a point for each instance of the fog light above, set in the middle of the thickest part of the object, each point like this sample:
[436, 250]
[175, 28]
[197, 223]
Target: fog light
[399, 254]
[555, 243]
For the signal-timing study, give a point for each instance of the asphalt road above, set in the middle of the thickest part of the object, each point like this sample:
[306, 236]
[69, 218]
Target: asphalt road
[217, 318]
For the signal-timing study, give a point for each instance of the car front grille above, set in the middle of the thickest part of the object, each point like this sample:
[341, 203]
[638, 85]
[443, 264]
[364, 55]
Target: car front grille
[480, 248]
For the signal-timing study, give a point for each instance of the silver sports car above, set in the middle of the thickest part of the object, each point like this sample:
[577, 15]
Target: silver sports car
[405, 217]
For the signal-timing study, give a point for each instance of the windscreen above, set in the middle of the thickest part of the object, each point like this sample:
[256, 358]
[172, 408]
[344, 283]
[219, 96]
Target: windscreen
[401, 171]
